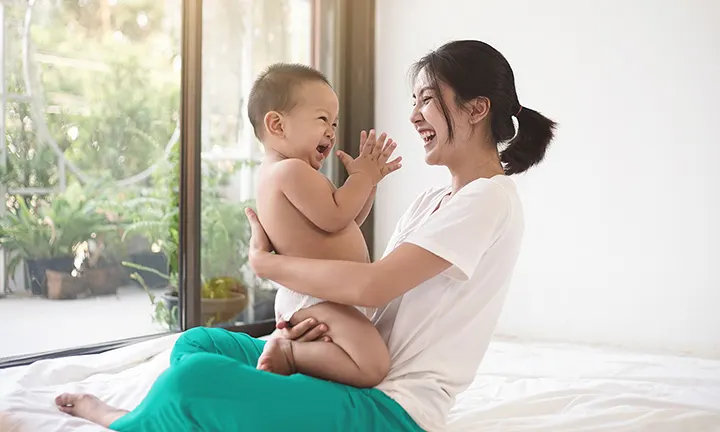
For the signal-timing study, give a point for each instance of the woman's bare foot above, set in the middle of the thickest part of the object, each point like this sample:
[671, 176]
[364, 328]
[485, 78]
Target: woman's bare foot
[88, 407]
[277, 357]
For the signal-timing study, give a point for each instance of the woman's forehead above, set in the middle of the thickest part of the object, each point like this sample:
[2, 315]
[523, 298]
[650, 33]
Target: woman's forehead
[422, 81]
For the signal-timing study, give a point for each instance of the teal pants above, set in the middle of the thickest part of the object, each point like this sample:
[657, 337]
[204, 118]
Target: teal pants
[212, 385]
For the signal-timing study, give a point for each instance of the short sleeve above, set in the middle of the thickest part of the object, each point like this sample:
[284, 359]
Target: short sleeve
[463, 229]
[401, 225]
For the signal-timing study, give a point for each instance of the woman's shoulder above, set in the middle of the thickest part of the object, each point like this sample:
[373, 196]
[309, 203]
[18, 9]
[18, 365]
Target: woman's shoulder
[428, 196]
[435, 191]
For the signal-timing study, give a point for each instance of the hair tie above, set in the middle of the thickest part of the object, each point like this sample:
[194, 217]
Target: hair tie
[518, 111]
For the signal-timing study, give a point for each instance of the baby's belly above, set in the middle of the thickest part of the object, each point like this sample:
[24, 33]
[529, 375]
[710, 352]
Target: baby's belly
[292, 234]
[348, 245]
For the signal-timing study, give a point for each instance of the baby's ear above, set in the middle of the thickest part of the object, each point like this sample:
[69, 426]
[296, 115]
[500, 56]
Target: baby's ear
[273, 122]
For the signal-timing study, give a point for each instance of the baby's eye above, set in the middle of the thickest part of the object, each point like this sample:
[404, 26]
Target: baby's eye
[323, 118]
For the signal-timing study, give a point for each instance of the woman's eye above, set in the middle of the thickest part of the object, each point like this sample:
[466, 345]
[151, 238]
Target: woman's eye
[426, 100]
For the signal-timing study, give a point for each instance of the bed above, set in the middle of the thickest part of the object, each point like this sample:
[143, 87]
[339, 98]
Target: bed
[520, 387]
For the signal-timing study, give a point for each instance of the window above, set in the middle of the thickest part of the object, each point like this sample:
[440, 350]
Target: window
[124, 201]
[91, 101]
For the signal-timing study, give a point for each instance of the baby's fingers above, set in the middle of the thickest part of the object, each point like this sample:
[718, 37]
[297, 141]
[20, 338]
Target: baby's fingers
[387, 151]
[368, 143]
[378, 145]
[363, 138]
[392, 166]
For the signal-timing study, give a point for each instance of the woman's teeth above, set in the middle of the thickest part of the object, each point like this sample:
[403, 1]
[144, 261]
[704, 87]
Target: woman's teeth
[427, 136]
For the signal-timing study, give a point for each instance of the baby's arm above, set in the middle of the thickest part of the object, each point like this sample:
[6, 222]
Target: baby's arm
[308, 191]
[329, 209]
[392, 166]
[360, 219]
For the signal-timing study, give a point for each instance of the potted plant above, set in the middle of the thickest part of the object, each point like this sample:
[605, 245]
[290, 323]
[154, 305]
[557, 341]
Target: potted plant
[45, 233]
[225, 237]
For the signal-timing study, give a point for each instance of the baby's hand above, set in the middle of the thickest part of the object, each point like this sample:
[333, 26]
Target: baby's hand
[372, 161]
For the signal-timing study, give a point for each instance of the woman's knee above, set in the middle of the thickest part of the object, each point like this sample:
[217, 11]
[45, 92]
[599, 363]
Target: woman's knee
[181, 379]
[202, 374]
[195, 340]
[215, 341]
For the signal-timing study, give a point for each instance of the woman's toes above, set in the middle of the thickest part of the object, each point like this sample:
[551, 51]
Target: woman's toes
[65, 399]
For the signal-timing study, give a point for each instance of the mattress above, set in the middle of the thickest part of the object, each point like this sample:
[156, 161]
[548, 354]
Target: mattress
[521, 386]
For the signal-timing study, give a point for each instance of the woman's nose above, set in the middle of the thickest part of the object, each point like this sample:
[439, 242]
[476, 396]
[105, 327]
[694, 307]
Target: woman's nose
[415, 115]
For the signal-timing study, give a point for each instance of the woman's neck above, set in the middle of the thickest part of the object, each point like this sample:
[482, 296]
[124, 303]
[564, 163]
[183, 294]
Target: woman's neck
[486, 165]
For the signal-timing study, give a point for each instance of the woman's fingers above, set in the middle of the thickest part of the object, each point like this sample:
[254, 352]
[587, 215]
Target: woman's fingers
[307, 330]
[259, 240]
[314, 333]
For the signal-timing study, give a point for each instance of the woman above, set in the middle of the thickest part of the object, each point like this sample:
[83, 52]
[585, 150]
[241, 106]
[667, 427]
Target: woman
[439, 289]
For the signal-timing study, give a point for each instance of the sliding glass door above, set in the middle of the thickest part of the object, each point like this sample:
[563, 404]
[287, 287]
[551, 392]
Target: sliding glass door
[240, 39]
[128, 159]
[90, 125]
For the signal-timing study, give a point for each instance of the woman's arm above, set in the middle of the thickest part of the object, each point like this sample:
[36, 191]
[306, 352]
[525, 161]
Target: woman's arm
[345, 282]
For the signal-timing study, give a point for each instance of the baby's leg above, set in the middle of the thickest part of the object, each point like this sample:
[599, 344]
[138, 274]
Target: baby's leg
[357, 355]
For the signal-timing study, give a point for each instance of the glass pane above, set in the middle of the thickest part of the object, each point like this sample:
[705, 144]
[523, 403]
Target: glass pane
[240, 39]
[91, 94]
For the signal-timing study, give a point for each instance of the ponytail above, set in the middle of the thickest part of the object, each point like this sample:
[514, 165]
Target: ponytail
[527, 148]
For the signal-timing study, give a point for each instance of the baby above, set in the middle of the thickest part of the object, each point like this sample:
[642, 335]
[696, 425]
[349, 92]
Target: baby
[293, 111]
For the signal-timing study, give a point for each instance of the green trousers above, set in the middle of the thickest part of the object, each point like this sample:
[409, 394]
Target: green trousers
[212, 385]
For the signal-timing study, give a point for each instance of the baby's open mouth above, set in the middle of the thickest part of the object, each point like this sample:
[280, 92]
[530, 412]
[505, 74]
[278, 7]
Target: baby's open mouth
[322, 149]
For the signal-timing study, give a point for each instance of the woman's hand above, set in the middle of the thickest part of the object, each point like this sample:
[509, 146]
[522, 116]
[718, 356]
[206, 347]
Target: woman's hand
[260, 245]
[308, 330]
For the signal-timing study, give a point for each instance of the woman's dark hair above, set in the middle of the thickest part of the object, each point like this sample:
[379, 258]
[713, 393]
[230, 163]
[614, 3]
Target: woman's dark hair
[474, 69]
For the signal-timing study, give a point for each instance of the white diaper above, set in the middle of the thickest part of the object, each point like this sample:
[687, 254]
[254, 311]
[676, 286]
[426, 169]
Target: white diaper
[288, 302]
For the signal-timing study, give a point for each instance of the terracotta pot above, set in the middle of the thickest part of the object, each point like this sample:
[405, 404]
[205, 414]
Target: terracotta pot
[104, 280]
[38, 267]
[63, 286]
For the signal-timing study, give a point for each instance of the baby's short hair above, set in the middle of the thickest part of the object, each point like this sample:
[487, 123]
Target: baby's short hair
[274, 90]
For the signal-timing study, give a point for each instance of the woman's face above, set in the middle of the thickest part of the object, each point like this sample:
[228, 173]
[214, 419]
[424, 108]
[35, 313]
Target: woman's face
[428, 119]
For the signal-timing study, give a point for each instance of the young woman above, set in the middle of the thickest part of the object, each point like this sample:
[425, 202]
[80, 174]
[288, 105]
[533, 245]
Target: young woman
[438, 290]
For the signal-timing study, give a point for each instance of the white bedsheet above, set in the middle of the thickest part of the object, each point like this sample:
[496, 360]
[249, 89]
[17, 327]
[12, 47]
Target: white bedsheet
[520, 387]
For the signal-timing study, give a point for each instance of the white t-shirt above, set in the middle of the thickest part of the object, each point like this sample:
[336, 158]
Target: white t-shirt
[438, 332]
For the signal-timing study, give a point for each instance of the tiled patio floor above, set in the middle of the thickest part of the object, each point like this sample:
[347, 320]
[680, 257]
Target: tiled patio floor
[30, 324]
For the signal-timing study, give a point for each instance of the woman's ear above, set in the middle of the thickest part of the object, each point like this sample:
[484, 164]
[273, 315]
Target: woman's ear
[479, 108]
[273, 122]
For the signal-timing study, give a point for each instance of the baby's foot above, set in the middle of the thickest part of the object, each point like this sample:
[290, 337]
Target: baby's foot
[89, 408]
[277, 357]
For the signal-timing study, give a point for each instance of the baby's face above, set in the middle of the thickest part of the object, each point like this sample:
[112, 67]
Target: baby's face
[310, 125]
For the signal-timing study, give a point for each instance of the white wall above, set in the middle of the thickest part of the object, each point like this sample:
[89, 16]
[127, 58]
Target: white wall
[622, 240]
